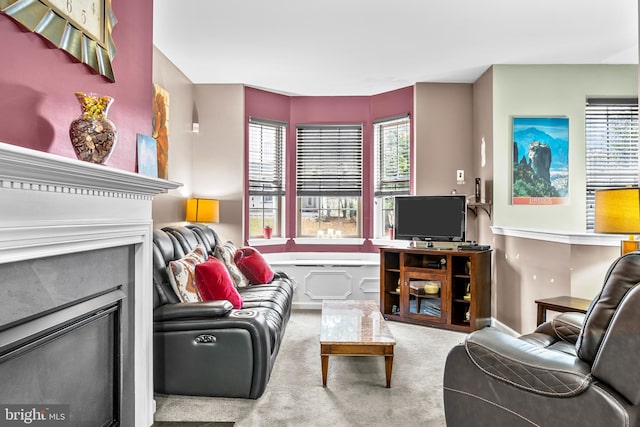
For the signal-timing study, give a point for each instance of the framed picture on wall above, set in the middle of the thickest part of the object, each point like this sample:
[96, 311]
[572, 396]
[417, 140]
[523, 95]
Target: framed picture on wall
[160, 132]
[147, 156]
[540, 169]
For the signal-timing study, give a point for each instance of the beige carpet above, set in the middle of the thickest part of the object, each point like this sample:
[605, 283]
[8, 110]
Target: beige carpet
[355, 393]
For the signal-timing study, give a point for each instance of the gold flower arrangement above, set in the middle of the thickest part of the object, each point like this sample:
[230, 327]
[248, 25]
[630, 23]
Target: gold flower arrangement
[93, 106]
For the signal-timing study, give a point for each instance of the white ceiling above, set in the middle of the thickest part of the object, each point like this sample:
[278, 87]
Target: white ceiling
[365, 47]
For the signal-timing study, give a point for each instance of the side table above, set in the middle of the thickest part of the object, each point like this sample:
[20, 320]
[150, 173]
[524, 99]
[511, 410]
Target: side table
[561, 304]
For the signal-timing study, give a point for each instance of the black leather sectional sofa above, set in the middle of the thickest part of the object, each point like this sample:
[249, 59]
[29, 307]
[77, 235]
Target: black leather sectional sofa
[209, 348]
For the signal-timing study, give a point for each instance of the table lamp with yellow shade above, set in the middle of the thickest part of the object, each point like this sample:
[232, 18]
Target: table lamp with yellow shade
[203, 210]
[617, 211]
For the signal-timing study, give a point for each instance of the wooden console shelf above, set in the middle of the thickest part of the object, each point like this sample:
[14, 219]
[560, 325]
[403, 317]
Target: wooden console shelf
[450, 289]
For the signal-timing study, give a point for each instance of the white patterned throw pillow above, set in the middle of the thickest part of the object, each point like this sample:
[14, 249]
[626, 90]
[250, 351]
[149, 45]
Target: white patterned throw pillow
[182, 275]
[226, 254]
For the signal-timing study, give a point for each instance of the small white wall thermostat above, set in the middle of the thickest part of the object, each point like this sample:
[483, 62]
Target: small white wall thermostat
[460, 176]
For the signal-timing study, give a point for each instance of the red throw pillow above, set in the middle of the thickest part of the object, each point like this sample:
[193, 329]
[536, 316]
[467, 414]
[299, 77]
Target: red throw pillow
[253, 265]
[214, 283]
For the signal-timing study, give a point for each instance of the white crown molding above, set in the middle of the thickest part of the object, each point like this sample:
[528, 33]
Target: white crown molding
[23, 168]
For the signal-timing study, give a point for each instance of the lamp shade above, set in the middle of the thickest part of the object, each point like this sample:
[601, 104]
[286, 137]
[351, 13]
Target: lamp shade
[617, 211]
[203, 210]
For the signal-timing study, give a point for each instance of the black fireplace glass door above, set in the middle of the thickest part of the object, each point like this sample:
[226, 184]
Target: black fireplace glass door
[75, 365]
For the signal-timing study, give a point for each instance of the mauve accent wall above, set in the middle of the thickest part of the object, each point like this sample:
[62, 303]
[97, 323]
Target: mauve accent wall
[38, 81]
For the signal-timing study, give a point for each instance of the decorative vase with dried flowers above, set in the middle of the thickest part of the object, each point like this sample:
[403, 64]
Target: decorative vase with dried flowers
[93, 135]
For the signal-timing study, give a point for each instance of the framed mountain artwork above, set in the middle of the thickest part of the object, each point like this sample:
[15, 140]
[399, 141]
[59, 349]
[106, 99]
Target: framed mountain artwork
[540, 169]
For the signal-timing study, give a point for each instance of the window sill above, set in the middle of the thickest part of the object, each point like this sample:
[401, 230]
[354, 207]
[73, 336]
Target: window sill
[307, 241]
[278, 241]
[268, 242]
[332, 242]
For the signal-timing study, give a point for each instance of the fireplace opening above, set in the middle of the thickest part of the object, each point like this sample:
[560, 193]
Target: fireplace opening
[42, 359]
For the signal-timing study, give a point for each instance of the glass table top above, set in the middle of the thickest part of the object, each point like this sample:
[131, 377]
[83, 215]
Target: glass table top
[353, 322]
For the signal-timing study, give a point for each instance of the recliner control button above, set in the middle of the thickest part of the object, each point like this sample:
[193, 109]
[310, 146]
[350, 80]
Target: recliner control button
[205, 339]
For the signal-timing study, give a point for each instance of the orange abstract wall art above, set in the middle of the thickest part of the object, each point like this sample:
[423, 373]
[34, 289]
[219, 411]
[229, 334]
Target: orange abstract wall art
[160, 123]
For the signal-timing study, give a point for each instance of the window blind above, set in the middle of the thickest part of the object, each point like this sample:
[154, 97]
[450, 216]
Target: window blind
[329, 160]
[392, 163]
[611, 142]
[266, 157]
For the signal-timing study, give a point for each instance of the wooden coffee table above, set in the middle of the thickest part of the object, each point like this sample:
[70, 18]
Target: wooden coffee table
[354, 328]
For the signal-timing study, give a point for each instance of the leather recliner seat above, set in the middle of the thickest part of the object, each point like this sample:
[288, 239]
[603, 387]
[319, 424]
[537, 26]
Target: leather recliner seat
[575, 370]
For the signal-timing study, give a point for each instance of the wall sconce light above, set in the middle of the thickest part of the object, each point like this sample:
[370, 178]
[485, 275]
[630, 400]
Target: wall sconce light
[203, 210]
[195, 122]
[617, 211]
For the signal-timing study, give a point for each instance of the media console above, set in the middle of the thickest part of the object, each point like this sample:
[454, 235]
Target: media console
[450, 289]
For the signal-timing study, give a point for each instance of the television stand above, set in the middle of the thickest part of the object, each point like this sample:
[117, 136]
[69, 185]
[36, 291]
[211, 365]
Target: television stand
[445, 288]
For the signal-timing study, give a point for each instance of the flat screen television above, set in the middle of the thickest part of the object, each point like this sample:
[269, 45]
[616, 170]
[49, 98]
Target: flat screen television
[431, 218]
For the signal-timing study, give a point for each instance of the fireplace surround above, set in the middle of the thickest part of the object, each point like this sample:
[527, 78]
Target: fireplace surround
[76, 287]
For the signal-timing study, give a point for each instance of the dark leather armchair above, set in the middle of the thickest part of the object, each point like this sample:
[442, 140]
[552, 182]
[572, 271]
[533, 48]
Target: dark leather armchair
[576, 370]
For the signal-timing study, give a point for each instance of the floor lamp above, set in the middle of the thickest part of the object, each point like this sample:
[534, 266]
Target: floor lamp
[617, 211]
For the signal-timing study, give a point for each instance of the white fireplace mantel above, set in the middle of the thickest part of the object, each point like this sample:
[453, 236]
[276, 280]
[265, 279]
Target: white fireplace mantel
[26, 168]
[52, 205]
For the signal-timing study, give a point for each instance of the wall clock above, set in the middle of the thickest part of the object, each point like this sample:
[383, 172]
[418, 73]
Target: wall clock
[80, 27]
